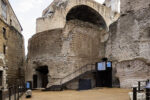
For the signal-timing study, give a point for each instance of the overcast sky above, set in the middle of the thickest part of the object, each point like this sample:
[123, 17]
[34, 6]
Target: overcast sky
[27, 11]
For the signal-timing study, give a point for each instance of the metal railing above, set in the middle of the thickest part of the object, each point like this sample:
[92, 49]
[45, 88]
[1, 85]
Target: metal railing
[16, 91]
[142, 85]
[76, 73]
[141, 88]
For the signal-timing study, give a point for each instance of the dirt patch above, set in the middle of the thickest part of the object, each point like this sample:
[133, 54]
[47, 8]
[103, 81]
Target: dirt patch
[95, 94]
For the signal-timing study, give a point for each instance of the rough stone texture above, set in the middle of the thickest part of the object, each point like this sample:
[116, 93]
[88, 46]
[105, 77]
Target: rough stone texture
[130, 5]
[129, 72]
[128, 45]
[66, 50]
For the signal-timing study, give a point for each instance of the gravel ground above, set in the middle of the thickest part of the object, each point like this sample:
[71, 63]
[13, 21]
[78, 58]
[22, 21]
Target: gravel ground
[95, 94]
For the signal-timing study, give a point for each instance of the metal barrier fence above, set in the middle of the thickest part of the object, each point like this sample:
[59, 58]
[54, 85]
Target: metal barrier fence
[142, 85]
[16, 91]
[141, 88]
[147, 94]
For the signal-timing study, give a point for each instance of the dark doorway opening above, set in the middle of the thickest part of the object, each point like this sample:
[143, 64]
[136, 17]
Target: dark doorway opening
[104, 77]
[43, 76]
[85, 84]
[35, 77]
[1, 78]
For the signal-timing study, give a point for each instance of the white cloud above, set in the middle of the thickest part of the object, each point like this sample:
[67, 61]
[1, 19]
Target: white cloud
[26, 5]
[100, 1]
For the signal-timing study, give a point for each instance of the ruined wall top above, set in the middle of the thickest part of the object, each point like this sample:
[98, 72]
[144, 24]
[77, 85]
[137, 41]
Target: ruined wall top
[54, 16]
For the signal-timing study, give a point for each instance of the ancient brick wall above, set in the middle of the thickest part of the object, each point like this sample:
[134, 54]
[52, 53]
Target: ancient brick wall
[66, 50]
[47, 43]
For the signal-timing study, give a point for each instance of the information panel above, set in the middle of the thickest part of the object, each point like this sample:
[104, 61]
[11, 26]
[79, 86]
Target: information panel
[101, 66]
[109, 64]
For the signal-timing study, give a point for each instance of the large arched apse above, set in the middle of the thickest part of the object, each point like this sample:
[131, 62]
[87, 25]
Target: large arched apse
[87, 14]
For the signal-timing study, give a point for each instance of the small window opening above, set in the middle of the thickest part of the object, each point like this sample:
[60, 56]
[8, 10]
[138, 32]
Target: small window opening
[4, 9]
[4, 33]
[4, 49]
[1, 78]
[10, 22]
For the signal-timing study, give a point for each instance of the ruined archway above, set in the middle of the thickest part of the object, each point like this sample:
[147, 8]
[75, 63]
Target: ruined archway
[55, 14]
[87, 14]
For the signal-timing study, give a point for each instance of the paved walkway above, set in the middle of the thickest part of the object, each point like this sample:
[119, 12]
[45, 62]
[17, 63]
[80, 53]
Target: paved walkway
[95, 94]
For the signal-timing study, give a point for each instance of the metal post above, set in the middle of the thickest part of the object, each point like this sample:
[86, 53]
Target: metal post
[147, 94]
[147, 81]
[18, 92]
[9, 93]
[14, 92]
[134, 93]
[139, 86]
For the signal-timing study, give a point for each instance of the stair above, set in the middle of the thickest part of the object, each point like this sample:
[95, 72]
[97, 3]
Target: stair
[62, 81]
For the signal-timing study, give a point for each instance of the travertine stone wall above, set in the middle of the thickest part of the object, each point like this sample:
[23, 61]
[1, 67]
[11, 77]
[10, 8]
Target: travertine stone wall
[136, 5]
[66, 50]
[129, 72]
[130, 40]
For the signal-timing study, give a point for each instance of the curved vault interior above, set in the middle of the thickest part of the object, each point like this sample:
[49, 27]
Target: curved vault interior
[86, 14]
